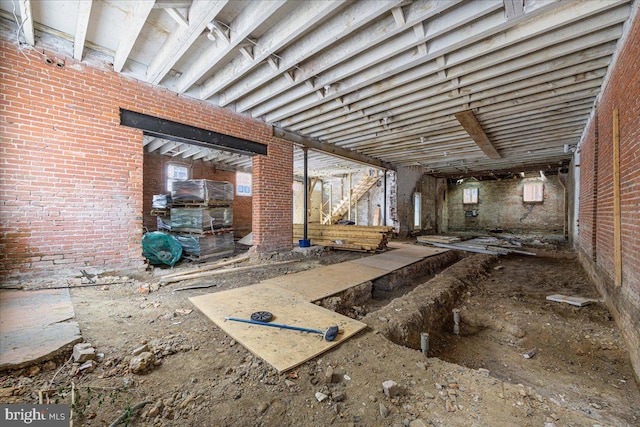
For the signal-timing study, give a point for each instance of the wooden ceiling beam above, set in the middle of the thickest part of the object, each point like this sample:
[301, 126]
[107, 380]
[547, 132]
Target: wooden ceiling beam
[473, 127]
[331, 149]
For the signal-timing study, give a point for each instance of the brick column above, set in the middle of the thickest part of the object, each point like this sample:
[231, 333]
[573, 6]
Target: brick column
[273, 198]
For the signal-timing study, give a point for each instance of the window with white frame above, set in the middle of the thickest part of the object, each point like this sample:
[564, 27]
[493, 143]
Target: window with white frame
[243, 184]
[176, 172]
[470, 196]
[533, 192]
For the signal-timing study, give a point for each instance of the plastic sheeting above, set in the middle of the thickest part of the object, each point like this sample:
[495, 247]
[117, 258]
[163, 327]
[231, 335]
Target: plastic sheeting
[161, 248]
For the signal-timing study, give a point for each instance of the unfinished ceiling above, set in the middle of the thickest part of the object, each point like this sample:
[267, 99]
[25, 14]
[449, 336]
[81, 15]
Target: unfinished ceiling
[385, 79]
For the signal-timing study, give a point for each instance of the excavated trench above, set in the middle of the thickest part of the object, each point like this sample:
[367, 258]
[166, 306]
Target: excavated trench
[400, 310]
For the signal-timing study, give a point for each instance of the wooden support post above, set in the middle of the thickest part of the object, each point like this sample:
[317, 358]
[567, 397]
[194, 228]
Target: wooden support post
[617, 237]
[350, 194]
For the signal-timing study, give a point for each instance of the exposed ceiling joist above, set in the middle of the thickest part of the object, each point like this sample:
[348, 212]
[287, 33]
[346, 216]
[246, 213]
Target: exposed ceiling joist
[381, 79]
[82, 24]
[135, 21]
[473, 127]
[280, 35]
[26, 15]
[331, 149]
[242, 27]
[513, 8]
[200, 14]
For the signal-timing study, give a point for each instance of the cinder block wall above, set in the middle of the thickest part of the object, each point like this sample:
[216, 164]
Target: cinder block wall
[500, 205]
[595, 230]
[71, 178]
[154, 182]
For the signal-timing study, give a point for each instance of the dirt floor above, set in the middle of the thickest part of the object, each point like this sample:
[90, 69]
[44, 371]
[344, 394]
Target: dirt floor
[580, 374]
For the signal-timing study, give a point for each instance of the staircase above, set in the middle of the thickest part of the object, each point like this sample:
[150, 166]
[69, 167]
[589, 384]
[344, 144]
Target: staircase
[361, 188]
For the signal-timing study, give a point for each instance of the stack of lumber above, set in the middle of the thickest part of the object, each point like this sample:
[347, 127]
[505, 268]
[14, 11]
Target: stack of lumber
[347, 237]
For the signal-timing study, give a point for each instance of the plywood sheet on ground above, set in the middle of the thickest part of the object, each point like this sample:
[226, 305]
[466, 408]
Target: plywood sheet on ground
[322, 282]
[415, 250]
[388, 261]
[281, 348]
[35, 325]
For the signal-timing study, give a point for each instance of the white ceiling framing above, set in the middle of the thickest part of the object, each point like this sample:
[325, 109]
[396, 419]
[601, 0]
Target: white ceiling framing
[382, 78]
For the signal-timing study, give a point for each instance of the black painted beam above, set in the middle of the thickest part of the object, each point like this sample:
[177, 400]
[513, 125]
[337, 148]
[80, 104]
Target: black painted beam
[167, 129]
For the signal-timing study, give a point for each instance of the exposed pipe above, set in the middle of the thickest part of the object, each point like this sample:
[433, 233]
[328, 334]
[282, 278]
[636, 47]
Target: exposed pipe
[564, 205]
[424, 343]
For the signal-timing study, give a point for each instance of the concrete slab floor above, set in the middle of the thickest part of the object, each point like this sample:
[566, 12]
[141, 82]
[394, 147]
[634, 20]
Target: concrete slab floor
[35, 326]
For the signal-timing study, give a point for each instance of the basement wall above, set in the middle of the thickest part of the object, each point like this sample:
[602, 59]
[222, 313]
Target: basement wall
[595, 239]
[500, 206]
[154, 182]
[71, 178]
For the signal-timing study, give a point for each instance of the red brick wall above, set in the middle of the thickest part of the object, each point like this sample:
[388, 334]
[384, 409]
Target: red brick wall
[71, 178]
[154, 182]
[596, 208]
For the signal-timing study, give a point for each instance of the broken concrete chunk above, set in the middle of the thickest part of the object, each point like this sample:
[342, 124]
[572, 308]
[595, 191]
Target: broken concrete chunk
[390, 388]
[139, 350]
[384, 412]
[320, 396]
[328, 375]
[142, 362]
[417, 423]
[83, 352]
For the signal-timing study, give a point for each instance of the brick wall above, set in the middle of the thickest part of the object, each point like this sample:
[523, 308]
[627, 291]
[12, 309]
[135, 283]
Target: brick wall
[595, 231]
[71, 178]
[154, 182]
[500, 205]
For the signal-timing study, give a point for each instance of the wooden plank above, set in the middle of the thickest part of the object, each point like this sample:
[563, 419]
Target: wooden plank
[282, 349]
[577, 301]
[414, 250]
[617, 236]
[438, 238]
[471, 124]
[189, 276]
[377, 216]
[389, 261]
[322, 282]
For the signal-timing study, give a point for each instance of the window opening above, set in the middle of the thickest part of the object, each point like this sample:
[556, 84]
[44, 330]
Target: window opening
[243, 184]
[533, 192]
[176, 172]
[417, 210]
[470, 196]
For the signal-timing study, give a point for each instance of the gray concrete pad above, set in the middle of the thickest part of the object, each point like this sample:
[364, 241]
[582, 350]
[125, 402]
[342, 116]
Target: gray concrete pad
[35, 326]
